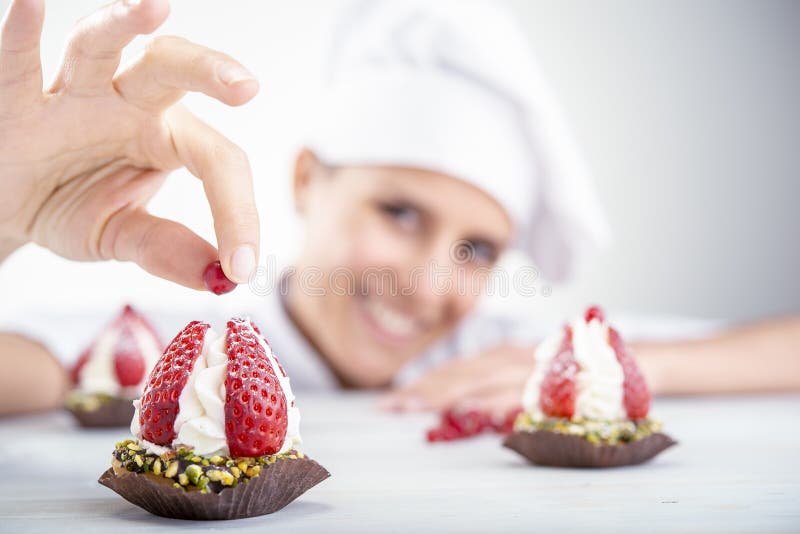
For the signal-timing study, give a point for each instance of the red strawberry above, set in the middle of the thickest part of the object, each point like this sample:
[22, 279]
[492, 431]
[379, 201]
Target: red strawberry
[159, 405]
[215, 280]
[636, 393]
[130, 315]
[255, 405]
[129, 363]
[455, 424]
[557, 393]
[594, 312]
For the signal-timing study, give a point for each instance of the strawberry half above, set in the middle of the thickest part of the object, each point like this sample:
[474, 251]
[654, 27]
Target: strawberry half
[129, 363]
[636, 393]
[159, 405]
[558, 390]
[255, 405]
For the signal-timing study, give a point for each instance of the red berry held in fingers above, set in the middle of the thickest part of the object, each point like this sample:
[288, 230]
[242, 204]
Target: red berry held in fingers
[594, 312]
[256, 418]
[558, 390]
[215, 280]
[160, 401]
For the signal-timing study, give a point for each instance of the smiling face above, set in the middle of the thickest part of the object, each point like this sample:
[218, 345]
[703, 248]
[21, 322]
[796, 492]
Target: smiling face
[381, 274]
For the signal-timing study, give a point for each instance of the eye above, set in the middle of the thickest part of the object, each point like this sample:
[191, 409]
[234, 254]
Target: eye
[484, 252]
[404, 215]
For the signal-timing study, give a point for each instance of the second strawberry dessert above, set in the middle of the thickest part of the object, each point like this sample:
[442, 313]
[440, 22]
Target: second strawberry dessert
[586, 403]
[217, 431]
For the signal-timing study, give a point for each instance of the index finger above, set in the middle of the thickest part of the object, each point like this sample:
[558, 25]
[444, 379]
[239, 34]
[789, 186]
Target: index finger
[225, 172]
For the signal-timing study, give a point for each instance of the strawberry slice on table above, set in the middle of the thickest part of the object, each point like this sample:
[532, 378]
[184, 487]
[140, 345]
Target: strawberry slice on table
[256, 418]
[636, 393]
[558, 390]
[159, 405]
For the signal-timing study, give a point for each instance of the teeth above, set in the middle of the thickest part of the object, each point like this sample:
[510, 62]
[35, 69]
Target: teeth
[395, 323]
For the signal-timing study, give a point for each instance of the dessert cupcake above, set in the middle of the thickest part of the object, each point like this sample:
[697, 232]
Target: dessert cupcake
[112, 371]
[586, 403]
[217, 432]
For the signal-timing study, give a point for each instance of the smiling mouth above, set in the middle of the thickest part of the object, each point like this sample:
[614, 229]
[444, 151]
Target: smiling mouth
[387, 323]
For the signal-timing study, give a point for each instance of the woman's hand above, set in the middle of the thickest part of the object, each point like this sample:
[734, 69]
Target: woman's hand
[80, 160]
[490, 382]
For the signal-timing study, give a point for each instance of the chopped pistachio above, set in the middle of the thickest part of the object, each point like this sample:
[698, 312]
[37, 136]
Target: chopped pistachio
[157, 467]
[217, 460]
[183, 480]
[227, 479]
[214, 475]
[172, 470]
[193, 472]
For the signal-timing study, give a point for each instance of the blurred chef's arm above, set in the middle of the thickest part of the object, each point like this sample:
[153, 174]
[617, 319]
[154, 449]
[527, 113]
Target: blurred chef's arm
[757, 357]
[33, 380]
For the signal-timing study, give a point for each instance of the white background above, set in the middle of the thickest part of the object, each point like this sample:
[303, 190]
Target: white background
[687, 111]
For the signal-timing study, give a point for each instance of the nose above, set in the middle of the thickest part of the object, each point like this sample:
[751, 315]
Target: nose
[435, 282]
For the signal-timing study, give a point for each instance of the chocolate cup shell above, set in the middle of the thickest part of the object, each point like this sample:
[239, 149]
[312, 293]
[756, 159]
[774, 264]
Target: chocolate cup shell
[561, 450]
[111, 413]
[276, 486]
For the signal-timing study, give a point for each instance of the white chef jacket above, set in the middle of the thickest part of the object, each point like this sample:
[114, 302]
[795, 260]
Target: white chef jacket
[67, 335]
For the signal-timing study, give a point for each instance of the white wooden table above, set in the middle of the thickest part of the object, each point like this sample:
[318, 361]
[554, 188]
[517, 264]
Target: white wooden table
[737, 469]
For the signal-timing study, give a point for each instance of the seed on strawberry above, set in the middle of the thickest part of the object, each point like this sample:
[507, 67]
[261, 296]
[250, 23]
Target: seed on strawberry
[215, 280]
[159, 405]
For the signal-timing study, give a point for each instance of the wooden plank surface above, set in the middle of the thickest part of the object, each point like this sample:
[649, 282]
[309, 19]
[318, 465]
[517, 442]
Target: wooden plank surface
[736, 469]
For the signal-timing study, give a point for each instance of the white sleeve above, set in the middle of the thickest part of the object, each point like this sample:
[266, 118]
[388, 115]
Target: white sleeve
[64, 335]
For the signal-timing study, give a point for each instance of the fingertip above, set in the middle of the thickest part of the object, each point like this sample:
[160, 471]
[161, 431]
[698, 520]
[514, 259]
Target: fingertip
[243, 92]
[241, 264]
[22, 24]
[240, 85]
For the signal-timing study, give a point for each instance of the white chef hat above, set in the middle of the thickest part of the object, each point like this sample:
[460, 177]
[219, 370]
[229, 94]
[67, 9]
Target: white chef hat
[451, 86]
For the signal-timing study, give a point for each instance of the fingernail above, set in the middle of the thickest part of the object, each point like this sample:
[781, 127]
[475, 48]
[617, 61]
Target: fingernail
[230, 73]
[124, 7]
[243, 263]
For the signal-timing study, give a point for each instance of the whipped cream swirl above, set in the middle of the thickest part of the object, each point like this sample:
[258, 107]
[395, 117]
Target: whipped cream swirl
[598, 382]
[200, 423]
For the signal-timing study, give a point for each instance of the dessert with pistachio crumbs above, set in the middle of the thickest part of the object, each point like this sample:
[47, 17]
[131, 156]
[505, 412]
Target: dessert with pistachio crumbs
[112, 371]
[586, 403]
[216, 431]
